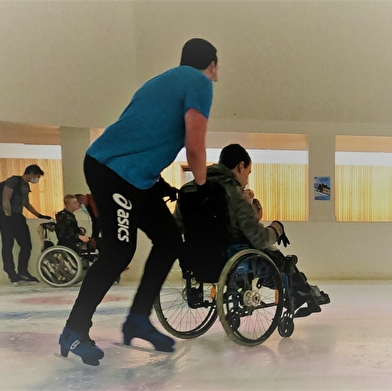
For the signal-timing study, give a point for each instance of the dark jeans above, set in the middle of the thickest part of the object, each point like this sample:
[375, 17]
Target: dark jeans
[122, 210]
[15, 228]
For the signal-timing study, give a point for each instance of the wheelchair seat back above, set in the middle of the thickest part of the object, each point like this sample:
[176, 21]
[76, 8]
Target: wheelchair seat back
[206, 232]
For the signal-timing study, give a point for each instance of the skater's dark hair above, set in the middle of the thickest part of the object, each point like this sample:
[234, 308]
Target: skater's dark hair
[198, 53]
[33, 168]
[234, 154]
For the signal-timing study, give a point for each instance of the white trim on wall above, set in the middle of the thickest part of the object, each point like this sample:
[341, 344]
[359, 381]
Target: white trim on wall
[363, 158]
[28, 151]
[257, 156]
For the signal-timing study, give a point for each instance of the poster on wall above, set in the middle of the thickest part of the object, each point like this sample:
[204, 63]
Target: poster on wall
[322, 188]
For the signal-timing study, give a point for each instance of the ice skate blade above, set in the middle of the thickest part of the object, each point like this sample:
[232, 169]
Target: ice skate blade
[77, 360]
[142, 349]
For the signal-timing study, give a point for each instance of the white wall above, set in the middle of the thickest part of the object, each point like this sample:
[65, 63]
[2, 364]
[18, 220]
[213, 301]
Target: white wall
[68, 63]
[77, 63]
[74, 142]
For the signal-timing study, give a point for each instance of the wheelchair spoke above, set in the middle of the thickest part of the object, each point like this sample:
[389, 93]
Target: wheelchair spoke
[60, 266]
[174, 313]
[249, 297]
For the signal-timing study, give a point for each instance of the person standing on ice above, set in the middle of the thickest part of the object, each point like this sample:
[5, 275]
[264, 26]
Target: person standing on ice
[122, 169]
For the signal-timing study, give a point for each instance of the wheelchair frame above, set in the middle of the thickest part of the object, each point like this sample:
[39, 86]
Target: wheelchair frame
[251, 298]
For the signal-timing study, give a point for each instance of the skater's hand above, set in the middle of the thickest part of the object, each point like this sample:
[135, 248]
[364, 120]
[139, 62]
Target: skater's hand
[203, 191]
[165, 190]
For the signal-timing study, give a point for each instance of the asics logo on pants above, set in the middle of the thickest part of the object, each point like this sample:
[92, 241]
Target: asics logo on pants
[74, 345]
[125, 205]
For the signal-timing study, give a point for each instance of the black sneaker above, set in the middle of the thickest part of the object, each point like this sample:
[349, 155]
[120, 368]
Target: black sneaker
[27, 277]
[15, 278]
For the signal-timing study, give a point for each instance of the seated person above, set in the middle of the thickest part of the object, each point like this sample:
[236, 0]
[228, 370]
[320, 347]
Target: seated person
[68, 231]
[245, 231]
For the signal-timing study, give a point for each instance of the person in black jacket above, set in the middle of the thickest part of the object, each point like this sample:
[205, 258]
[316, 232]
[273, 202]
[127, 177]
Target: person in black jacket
[13, 226]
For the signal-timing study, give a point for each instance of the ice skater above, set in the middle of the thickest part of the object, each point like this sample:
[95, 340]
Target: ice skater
[122, 168]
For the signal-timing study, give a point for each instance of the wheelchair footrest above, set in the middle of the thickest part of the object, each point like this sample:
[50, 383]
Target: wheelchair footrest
[323, 299]
[312, 306]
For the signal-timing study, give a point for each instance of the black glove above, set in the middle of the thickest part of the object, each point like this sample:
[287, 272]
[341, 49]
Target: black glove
[44, 217]
[165, 190]
[282, 238]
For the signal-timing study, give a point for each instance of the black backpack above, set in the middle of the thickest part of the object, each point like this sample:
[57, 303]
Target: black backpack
[206, 232]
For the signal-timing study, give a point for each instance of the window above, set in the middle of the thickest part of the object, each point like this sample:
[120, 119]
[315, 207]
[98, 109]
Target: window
[363, 178]
[279, 175]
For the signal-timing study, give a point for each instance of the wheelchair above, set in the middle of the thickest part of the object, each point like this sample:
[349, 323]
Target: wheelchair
[61, 266]
[249, 294]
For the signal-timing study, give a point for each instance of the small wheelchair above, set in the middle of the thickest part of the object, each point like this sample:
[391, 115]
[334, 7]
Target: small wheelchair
[248, 293]
[61, 266]
[251, 297]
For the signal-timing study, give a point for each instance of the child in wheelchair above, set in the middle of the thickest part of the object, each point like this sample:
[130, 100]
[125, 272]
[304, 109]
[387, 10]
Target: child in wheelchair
[218, 220]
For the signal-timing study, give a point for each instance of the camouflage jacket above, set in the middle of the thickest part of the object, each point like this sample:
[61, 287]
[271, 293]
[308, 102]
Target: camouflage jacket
[68, 229]
[243, 220]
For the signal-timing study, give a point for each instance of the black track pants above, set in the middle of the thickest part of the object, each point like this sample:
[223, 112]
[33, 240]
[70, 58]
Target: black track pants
[122, 209]
[15, 228]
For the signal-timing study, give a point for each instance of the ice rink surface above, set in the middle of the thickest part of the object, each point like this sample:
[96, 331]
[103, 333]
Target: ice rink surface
[348, 346]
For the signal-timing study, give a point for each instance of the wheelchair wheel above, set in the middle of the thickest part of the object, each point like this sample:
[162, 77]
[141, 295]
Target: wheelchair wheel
[60, 266]
[174, 313]
[250, 297]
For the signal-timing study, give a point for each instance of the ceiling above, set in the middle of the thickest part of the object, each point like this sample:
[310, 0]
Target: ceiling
[77, 63]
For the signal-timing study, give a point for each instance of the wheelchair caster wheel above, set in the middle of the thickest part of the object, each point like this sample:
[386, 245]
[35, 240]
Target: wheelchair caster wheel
[233, 321]
[286, 327]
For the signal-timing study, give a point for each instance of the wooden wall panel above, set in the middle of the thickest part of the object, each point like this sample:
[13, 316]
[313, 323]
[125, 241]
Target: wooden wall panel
[47, 195]
[363, 193]
[12, 132]
[363, 143]
[175, 176]
[282, 189]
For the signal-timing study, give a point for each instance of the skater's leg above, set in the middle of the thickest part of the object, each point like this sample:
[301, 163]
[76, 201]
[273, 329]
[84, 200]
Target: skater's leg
[118, 204]
[158, 223]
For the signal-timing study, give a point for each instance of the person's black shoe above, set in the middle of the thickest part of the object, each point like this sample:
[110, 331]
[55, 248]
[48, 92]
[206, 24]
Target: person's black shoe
[27, 277]
[15, 278]
[312, 306]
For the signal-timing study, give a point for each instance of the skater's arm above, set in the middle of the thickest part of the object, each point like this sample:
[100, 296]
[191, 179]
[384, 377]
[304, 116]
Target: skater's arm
[195, 135]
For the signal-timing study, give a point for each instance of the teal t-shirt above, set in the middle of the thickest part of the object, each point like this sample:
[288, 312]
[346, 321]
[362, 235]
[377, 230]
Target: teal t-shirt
[151, 131]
